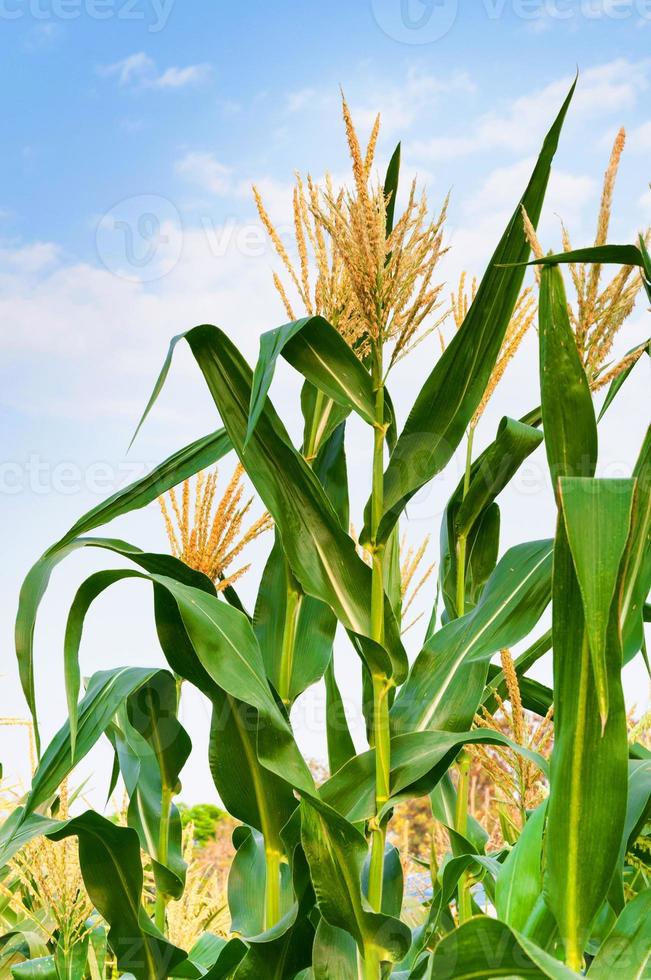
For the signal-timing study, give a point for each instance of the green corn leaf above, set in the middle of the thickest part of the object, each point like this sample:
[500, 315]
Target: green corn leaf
[322, 556]
[225, 646]
[107, 690]
[98, 583]
[636, 575]
[252, 792]
[152, 747]
[618, 382]
[249, 791]
[71, 963]
[485, 948]
[109, 857]
[318, 352]
[447, 679]
[341, 747]
[42, 968]
[598, 254]
[336, 853]
[638, 802]
[494, 469]
[489, 475]
[297, 653]
[391, 187]
[626, 951]
[419, 760]
[519, 880]
[246, 885]
[334, 954]
[587, 803]
[597, 516]
[178, 467]
[455, 387]
[568, 414]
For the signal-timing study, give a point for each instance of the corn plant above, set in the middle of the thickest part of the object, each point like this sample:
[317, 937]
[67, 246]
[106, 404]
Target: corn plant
[316, 885]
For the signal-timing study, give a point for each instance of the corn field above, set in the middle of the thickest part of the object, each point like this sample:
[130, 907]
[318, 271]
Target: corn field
[492, 826]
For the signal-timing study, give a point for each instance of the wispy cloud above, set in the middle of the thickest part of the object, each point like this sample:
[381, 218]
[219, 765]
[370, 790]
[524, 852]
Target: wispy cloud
[612, 87]
[141, 71]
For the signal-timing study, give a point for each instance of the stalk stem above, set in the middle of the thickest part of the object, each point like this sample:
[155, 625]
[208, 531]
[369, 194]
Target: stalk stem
[461, 821]
[381, 685]
[461, 816]
[289, 640]
[272, 888]
[163, 851]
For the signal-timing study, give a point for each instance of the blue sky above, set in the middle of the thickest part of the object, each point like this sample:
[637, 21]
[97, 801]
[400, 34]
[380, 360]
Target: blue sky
[132, 131]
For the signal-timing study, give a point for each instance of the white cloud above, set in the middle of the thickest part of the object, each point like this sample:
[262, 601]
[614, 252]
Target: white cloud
[298, 100]
[604, 89]
[128, 69]
[639, 138]
[567, 193]
[404, 103]
[205, 170]
[141, 70]
[179, 77]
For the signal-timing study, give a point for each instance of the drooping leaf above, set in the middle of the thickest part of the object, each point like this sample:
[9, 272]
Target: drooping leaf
[319, 352]
[107, 690]
[418, 761]
[485, 948]
[94, 586]
[109, 857]
[454, 389]
[336, 853]
[322, 556]
[178, 467]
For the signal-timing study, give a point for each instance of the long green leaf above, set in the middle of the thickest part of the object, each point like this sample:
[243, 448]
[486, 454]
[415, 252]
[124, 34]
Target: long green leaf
[418, 761]
[597, 517]
[485, 948]
[455, 387]
[587, 803]
[321, 554]
[109, 857]
[152, 747]
[568, 414]
[178, 467]
[519, 881]
[447, 678]
[489, 475]
[322, 356]
[626, 952]
[336, 853]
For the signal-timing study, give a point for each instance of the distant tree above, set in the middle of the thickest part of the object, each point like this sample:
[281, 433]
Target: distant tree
[204, 817]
